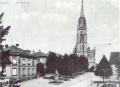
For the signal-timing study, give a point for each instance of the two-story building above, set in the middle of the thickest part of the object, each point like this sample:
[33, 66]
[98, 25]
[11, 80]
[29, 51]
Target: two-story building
[41, 57]
[23, 64]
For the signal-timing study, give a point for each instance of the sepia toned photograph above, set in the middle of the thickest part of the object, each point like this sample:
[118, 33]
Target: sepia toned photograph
[59, 43]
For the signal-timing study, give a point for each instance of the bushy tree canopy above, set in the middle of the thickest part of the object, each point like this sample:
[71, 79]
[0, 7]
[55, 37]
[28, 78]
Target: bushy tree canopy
[66, 65]
[104, 68]
[51, 63]
[40, 68]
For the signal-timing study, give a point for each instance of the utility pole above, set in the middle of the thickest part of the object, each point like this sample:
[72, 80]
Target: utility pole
[83, 44]
[119, 71]
[91, 81]
[103, 74]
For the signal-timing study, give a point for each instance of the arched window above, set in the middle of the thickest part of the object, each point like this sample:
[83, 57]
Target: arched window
[81, 38]
[80, 47]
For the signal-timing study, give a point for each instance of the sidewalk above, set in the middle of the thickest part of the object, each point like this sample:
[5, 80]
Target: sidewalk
[80, 81]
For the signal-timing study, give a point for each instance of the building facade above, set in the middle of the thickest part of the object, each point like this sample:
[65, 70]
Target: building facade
[23, 64]
[115, 61]
[81, 48]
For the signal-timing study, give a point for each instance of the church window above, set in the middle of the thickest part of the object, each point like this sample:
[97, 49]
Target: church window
[80, 47]
[81, 32]
[81, 38]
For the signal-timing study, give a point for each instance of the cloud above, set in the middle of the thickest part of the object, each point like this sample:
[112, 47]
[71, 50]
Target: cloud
[52, 25]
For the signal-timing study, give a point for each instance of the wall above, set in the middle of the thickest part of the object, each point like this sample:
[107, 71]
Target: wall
[20, 66]
[8, 73]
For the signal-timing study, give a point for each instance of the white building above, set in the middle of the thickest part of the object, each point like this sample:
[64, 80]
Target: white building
[23, 64]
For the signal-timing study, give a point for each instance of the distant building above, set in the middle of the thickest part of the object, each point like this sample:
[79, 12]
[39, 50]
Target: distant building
[23, 63]
[41, 57]
[81, 47]
[115, 60]
[91, 58]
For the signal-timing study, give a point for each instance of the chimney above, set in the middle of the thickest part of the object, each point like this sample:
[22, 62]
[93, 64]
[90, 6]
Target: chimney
[17, 45]
[39, 50]
[6, 46]
[33, 51]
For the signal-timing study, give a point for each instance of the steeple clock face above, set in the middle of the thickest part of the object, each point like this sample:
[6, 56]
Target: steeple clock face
[82, 24]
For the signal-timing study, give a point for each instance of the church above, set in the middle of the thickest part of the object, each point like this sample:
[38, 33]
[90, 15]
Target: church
[81, 47]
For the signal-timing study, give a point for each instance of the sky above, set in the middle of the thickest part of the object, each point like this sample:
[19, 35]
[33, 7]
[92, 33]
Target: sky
[51, 25]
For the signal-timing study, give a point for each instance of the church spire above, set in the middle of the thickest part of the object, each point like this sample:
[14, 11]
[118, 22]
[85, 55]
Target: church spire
[82, 10]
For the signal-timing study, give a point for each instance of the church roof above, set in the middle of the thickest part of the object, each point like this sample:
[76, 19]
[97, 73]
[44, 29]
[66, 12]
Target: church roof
[114, 57]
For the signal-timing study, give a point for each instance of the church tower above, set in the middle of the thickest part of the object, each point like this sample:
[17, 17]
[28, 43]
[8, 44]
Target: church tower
[81, 41]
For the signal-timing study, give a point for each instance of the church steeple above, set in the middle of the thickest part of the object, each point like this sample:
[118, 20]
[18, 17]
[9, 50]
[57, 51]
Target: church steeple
[81, 41]
[82, 10]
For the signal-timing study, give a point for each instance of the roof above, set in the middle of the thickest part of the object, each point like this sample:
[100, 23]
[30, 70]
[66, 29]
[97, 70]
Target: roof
[40, 54]
[15, 51]
[114, 57]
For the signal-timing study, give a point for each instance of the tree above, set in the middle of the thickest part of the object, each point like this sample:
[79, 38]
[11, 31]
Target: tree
[65, 65]
[51, 63]
[92, 69]
[85, 64]
[40, 68]
[3, 31]
[75, 63]
[104, 68]
[68, 66]
[3, 55]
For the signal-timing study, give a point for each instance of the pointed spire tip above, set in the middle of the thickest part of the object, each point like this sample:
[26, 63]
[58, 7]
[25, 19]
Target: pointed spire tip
[82, 10]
